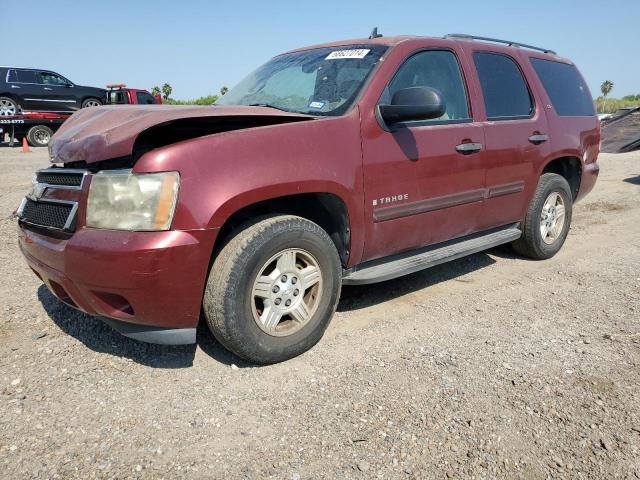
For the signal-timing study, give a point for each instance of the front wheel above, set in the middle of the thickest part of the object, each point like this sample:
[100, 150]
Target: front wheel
[91, 102]
[273, 289]
[548, 219]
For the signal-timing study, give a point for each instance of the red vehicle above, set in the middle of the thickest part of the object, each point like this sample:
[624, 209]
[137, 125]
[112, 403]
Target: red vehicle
[326, 166]
[118, 94]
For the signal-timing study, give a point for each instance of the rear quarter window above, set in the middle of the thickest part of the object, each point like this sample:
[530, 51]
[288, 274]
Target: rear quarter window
[565, 86]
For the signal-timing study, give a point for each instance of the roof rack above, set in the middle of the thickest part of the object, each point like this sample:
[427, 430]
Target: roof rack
[497, 40]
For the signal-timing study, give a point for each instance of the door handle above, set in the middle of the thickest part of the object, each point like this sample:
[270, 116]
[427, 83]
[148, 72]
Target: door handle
[47, 88]
[467, 148]
[15, 86]
[538, 138]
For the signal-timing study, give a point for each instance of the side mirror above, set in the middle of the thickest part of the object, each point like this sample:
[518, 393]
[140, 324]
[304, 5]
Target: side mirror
[413, 103]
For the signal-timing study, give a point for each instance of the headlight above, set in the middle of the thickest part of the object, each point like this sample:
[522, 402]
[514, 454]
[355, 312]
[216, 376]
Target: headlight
[121, 200]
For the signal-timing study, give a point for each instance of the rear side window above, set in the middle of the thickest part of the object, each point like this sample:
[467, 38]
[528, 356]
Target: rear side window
[504, 89]
[144, 98]
[27, 76]
[565, 86]
[12, 76]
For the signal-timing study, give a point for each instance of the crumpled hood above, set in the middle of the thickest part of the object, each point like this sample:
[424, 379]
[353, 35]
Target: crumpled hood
[101, 133]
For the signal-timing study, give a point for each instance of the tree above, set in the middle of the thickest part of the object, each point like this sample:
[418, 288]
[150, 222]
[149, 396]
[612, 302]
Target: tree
[606, 88]
[166, 90]
[224, 90]
[155, 90]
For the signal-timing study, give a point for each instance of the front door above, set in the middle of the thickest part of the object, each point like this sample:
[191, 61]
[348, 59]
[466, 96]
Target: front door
[424, 181]
[58, 92]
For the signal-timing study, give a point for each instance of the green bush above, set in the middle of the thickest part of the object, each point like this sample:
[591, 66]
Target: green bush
[208, 100]
[610, 105]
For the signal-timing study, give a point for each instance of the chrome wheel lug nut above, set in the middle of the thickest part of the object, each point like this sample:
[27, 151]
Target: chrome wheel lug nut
[275, 289]
[277, 301]
[283, 278]
[287, 303]
[296, 292]
[294, 280]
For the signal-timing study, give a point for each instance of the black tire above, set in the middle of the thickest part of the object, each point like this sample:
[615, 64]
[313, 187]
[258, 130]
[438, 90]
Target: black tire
[39, 136]
[229, 301]
[8, 106]
[89, 102]
[531, 243]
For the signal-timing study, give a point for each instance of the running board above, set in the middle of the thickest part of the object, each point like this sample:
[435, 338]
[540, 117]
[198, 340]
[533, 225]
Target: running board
[409, 262]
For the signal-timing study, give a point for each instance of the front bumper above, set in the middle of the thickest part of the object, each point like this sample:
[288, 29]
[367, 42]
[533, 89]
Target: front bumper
[150, 284]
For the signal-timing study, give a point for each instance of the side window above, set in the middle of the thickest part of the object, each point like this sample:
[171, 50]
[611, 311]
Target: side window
[438, 69]
[566, 88]
[27, 76]
[144, 98]
[49, 78]
[12, 76]
[504, 89]
[118, 98]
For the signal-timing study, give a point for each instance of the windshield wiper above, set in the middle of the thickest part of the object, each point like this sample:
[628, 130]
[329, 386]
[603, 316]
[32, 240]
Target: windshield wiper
[268, 105]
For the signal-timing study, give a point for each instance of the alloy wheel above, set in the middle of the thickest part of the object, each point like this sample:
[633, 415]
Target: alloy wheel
[286, 292]
[552, 218]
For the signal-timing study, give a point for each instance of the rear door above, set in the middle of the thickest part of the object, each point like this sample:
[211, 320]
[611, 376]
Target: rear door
[29, 90]
[516, 136]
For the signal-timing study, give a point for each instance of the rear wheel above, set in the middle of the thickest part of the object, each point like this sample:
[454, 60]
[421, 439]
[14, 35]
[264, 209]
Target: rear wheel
[548, 219]
[39, 136]
[273, 289]
[8, 106]
[91, 102]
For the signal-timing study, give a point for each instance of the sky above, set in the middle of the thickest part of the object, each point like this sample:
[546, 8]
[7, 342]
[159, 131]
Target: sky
[198, 46]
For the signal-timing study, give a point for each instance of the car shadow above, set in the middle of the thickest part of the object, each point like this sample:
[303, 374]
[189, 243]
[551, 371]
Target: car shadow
[358, 297]
[633, 180]
[99, 337]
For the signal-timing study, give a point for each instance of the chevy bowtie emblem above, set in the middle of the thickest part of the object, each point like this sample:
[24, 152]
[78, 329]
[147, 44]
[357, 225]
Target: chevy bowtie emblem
[37, 191]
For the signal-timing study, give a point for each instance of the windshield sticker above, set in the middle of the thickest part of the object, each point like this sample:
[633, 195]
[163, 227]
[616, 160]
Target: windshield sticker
[356, 53]
[316, 105]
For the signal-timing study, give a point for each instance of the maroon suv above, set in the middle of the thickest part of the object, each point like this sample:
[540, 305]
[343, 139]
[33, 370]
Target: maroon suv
[346, 163]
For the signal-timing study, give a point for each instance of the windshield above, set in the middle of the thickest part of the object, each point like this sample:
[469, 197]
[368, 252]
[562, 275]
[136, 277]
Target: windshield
[321, 81]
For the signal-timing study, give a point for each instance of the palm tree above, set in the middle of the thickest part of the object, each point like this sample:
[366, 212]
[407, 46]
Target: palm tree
[166, 90]
[606, 88]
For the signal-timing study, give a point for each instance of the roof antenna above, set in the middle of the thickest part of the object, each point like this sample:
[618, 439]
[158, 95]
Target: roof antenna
[374, 33]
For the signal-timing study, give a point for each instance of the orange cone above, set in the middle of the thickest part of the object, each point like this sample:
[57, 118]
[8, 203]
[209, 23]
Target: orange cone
[25, 146]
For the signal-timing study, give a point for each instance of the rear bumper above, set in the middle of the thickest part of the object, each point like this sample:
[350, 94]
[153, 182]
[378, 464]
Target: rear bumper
[589, 176]
[149, 283]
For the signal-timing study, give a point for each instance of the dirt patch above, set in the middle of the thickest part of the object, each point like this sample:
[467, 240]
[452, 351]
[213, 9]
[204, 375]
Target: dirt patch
[492, 366]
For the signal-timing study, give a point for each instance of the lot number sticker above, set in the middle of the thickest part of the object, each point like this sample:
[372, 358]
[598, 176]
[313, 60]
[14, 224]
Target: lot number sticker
[356, 53]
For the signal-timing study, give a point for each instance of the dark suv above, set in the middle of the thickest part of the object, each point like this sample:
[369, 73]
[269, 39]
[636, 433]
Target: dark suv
[341, 164]
[29, 89]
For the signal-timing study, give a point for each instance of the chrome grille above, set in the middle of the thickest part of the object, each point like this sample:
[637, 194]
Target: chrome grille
[39, 209]
[61, 177]
[47, 214]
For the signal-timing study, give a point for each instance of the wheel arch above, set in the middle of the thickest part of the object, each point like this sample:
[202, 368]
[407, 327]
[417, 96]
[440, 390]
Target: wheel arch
[327, 209]
[569, 167]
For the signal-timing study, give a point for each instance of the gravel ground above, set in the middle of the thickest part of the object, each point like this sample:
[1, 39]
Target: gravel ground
[492, 366]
